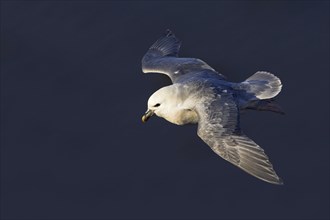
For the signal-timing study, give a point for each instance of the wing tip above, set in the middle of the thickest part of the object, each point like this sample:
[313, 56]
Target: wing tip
[278, 181]
[272, 178]
[168, 33]
[168, 44]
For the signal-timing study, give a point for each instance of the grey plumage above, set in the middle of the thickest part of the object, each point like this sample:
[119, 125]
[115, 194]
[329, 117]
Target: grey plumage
[201, 94]
[162, 58]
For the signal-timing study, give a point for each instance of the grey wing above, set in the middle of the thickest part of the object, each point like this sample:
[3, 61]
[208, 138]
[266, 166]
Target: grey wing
[219, 128]
[162, 58]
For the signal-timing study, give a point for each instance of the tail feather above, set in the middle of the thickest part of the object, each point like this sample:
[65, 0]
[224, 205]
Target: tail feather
[262, 85]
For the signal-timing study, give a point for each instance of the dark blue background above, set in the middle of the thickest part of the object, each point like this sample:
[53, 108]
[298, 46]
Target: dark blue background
[73, 93]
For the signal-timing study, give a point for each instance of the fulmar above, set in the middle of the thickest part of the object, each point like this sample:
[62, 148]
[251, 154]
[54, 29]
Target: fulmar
[201, 95]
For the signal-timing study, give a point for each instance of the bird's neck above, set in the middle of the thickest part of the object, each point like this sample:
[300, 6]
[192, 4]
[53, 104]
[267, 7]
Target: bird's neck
[182, 108]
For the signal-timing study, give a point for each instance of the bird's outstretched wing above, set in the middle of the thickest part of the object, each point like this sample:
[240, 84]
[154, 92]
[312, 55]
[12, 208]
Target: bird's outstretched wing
[218, 126]
[162, 57]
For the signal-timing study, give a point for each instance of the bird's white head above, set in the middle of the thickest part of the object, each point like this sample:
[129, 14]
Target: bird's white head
[160, 102]
[170, 103]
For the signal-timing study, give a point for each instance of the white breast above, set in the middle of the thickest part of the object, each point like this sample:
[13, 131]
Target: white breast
[182, 116]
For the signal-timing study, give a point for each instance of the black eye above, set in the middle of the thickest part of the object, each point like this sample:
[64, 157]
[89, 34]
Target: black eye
[157, 105]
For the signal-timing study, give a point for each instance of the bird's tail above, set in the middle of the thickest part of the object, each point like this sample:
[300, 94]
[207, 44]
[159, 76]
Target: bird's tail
[261, 85]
